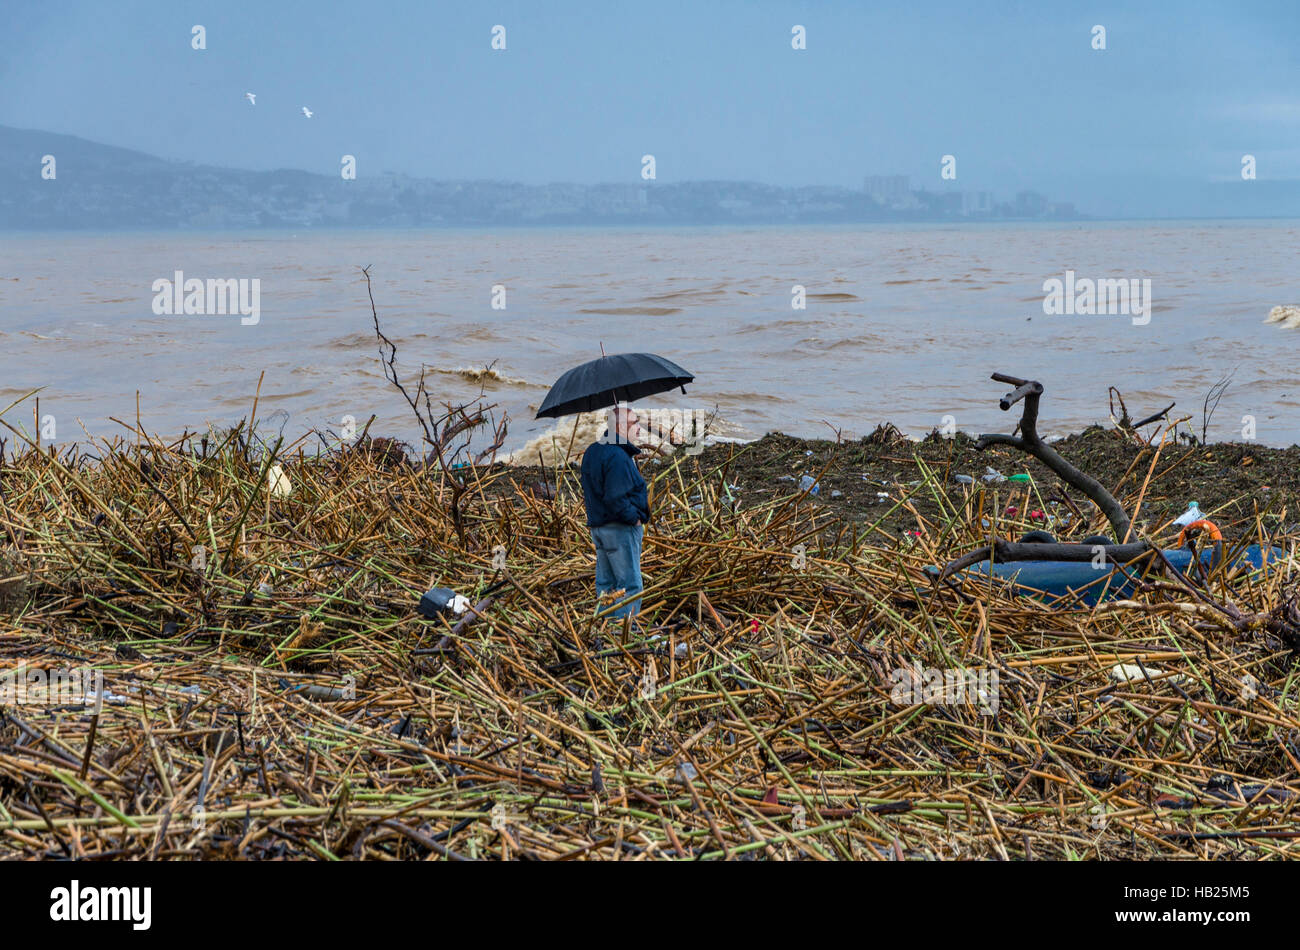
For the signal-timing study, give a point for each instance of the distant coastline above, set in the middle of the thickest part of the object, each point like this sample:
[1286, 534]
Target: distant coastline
[91, 186]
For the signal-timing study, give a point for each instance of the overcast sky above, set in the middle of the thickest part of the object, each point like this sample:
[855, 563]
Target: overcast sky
[712, 89]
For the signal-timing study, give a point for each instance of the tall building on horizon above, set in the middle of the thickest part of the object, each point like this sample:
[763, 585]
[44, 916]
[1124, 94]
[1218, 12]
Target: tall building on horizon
[1030, 204]
[889, 191]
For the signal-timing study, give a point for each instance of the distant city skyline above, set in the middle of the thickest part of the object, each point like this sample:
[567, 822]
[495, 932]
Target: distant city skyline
[84, 184]
[1021, 97]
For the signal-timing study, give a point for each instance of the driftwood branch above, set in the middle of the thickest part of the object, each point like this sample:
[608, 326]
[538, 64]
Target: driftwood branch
[1030, 391]
[448, 434]
[1155, 416]
[389, 362]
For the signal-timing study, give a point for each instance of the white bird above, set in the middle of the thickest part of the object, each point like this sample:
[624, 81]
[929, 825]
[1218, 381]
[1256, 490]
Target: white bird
[306, 112]
[251, 97]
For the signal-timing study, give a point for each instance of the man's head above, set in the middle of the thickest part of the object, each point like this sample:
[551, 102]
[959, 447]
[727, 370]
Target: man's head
[624, 426]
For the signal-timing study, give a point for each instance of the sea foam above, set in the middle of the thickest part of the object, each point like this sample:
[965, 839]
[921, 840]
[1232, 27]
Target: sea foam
[1288, 316]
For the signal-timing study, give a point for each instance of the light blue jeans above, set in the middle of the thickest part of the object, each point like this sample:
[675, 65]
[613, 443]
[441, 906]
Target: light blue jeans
[618, 562]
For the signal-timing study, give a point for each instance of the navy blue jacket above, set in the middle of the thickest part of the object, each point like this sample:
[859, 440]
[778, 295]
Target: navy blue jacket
[612, 488]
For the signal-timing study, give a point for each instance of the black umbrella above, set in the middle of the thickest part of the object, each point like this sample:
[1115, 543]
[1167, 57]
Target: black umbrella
[610, 380]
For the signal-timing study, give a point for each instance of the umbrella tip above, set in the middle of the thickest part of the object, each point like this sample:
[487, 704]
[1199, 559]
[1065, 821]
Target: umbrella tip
[602, 348]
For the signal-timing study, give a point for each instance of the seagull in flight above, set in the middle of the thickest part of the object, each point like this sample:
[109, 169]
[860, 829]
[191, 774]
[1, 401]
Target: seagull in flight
[306, 112]
[251, 97]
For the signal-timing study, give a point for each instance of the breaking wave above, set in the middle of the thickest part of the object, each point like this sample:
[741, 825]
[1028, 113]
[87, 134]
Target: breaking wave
[1288, 317]
[487, 375]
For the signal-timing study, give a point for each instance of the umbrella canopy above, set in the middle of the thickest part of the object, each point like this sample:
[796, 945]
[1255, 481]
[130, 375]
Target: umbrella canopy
[610, 380]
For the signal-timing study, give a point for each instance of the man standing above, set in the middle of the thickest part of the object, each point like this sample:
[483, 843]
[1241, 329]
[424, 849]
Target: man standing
[615, 497]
